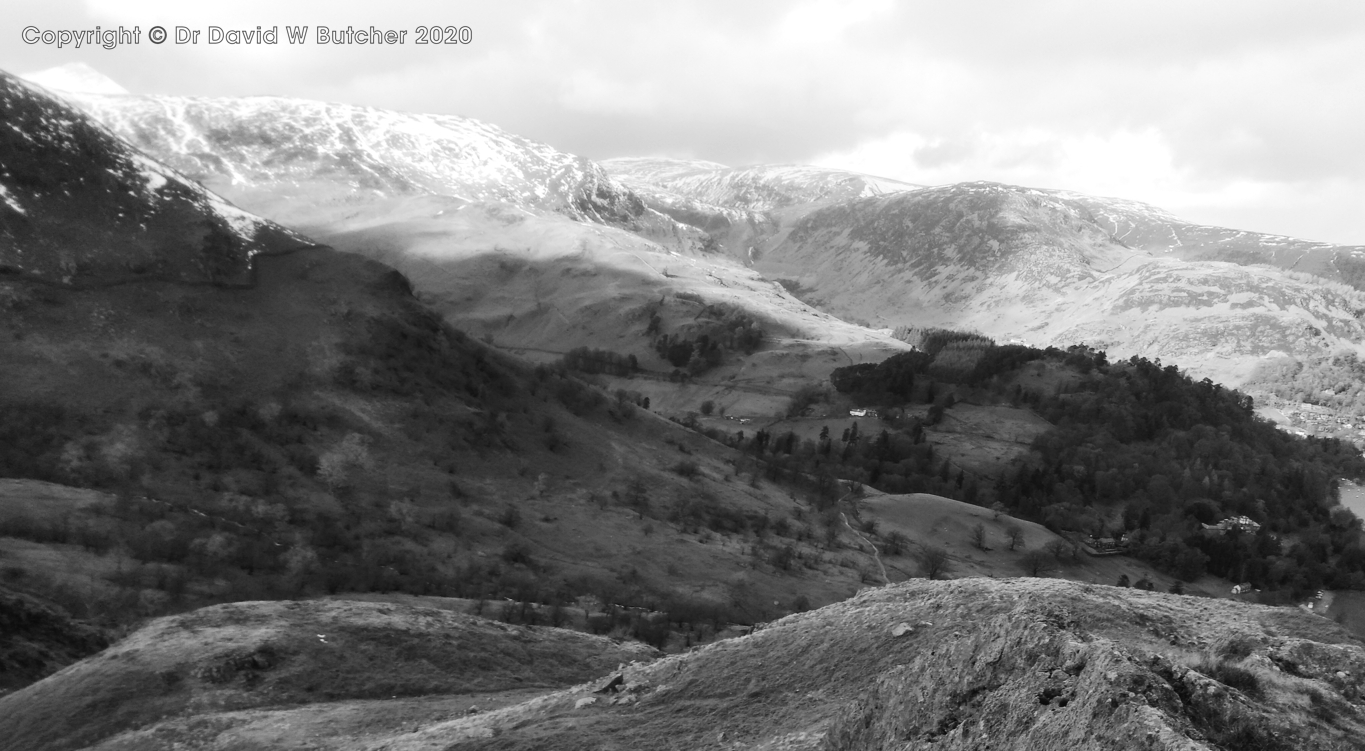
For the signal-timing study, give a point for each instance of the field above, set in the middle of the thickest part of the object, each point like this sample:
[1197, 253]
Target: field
[1353, 498]
[928, 520]
[1348, 609]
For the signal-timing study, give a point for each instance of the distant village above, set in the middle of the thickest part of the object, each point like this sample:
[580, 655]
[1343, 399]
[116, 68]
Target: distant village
[1316, 420]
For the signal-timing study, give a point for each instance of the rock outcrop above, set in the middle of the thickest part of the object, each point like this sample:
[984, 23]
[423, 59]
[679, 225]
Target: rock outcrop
[989, 664]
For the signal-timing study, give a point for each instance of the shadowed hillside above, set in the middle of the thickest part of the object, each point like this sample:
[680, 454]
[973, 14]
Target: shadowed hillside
[247, 655]
[77, 205]
[314, 429]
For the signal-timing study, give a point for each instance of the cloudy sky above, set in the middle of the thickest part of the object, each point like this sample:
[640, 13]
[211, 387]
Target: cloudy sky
[1248, 114]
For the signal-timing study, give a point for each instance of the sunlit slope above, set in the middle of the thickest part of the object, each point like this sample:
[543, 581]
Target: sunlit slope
[1022, 264]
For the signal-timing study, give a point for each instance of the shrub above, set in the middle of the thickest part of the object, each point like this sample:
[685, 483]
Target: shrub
[1231, 675]
[515, 553]
[805, 397]
[978, 535]
[1037, 563]
[1015, 533]
[782, 558]
[1326, 707]
[1061, 550]
[1236, 647]
[687, 468]
[933, 561]
[510, 516]
[896, 544]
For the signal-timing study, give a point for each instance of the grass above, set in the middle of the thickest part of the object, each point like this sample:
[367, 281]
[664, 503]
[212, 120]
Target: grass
[1231, 674]
[219, 405]
[840, 670]
[246, 655]
[1348, 609]
[838, 678]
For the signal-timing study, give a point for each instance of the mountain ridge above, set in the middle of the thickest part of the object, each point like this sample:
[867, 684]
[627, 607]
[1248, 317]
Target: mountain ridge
[1022, 264]
[266, 153]
[136, 217]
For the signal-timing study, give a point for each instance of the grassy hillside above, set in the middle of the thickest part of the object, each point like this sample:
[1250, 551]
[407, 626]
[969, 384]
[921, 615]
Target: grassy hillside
[257, 654]
[965, 665]
[295, 423]
[323, 432]
[958, 664]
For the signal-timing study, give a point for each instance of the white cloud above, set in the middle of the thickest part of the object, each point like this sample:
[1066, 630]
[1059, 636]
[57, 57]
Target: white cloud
[1137, 165]
[589, 91]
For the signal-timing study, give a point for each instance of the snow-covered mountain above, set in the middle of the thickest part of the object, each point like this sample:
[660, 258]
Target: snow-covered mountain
[75, 78]
[1050, 269]
[78, 205]
[456, 203]
[739, 208]
[298, 160]
[761, 187]
[508, 238]
[1139, 225]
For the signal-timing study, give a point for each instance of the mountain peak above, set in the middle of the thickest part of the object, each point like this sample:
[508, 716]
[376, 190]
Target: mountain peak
[75, 77]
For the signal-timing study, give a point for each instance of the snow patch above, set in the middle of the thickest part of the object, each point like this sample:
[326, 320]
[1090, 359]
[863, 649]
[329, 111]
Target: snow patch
[9, 200]
[151, 172]
[241, 222]
[75, 77]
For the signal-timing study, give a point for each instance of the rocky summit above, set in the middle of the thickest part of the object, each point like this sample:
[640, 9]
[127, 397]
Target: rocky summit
[970, 664]
[973, 663]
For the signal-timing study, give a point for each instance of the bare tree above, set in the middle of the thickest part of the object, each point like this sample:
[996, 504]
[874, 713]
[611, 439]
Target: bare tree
[1015, 533]
[979, 536]
[895, 544]
[1061, 550]
[933, 561]
[1037, 563]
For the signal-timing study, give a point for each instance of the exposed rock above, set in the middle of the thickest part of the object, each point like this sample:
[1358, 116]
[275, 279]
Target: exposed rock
[610, 685]
[1030, 664]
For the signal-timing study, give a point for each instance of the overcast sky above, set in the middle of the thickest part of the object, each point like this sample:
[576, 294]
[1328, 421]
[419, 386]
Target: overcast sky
[1247, 114]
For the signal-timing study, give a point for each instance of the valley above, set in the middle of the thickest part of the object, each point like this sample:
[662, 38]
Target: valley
[333, 427]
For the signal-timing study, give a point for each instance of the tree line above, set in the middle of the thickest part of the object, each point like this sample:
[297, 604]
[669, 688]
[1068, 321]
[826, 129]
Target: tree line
[1138, 449]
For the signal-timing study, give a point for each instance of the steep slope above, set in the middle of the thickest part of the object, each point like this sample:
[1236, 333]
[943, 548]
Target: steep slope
[1146, 227]
[264, 654]
[970, 664]
[508, 238]
[548, 283]
[322, 432]
[293, 159]
[1018, 263]
[131, 216]
[36, 639]
[317, 429]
